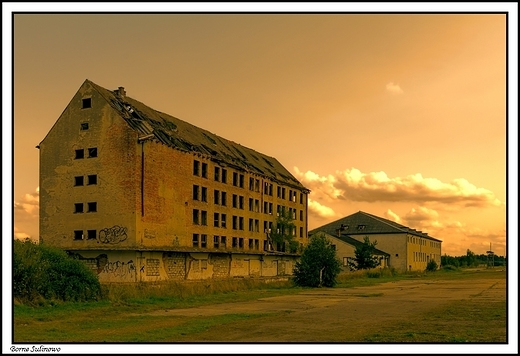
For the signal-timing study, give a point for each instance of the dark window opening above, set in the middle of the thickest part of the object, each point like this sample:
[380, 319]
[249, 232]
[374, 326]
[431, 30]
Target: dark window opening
[195, 240]
[91, 234]
[80, 154]
[84, 126]
[223, 241]
[92, 152]
[195, 192]
[196, 168]
[204, 170]
[215, 241]
[92, 207]
[241, 181]
[78, 207]
[196, 217]
[204, 194]
[86, 103]
[78, 234]
[92, 179]
[217, 174]
[78, 181]
[204, 217]
[223, 220]
[224, 196]
[203, 240]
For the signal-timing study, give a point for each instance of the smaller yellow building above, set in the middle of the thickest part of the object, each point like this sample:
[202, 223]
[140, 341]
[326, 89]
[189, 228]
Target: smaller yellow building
[398, 246]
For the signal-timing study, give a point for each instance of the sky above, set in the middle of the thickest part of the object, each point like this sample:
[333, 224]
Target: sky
[407, 116]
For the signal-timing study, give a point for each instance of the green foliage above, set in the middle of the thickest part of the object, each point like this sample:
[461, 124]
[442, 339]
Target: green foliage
[431, 266]
[364, 256]
[283, 234]
[44, 272]
[318, 265]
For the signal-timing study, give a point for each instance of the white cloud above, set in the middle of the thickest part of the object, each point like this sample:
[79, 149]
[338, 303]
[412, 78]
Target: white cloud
[394, 88]
[320, 210]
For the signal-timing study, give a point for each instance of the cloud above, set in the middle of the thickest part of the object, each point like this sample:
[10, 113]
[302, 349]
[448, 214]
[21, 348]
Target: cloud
[394, 88]
[320, 210]
[26, 213]
[29, 203]
[353, 185]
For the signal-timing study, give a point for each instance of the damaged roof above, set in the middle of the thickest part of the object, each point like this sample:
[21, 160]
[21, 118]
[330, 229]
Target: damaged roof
[181, 135]
[362, 223]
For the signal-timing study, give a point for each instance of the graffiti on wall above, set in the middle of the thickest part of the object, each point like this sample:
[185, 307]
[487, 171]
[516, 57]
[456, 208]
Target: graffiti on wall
[120, 269]
[112, 235]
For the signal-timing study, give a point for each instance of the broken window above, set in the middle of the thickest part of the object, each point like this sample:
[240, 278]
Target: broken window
[223, 220]
[195, 192]
[92, 179]
[78, 207]
[257, 205]
[257, 225]
[204, 194]
[92, 152]
[215, 241]
[204, 217]
[235, 200]
[204, 170]
[91, 234]
[235, 179]
[216, 197]
[80, 154]
[92, 207]
[251, 183]
[251, 225]
[84, 126]
[301, 215]
[203, 240]
[241, 223]
[251, 204]
[241, 181]
[195, 240]
[257, 244]
[224, 175]
[78, 234]
[241, 242]
[301, 231]
[196, 216]
[217, 174]
[235, 242]
[216, 219]
[301, 198]
[251, 242]
[235, 222]
[78, 181]
[196, 165]
[257, 185]
[224, 198]
[223, 241]
[86, 103]
[241, 202]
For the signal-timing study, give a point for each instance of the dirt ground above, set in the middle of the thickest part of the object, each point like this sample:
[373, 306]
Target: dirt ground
[337, 314]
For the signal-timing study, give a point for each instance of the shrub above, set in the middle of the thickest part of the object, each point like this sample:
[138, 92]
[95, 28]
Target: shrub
[318, 265]
[41, 271]
[431, 266]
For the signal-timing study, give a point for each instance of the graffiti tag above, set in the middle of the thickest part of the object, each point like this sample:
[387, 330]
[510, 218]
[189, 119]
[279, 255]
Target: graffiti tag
[112, 235]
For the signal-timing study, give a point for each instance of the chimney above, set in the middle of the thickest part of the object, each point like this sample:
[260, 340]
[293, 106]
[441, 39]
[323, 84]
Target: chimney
[120, 92]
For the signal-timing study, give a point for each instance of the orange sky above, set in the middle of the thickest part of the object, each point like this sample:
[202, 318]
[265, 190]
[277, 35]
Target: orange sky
[402, 116]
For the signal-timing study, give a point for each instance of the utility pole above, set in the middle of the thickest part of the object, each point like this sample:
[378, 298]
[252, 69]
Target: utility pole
[490, 258]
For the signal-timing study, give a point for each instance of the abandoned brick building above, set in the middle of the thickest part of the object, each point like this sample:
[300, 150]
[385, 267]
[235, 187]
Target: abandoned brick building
[140, 195]
[398, 246]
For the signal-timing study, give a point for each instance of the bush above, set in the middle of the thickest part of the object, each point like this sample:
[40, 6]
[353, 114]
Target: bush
[318, 265]
[431, 266]
[44, 272]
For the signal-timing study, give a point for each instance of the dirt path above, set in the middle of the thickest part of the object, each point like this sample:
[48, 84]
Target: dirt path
[338, 314]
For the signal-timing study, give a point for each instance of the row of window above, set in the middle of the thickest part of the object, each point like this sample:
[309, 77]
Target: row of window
[201, 240]
[220, 175]
[91, 207]
[79, 235]
[421, 257]
[91, 153]
[80, 180]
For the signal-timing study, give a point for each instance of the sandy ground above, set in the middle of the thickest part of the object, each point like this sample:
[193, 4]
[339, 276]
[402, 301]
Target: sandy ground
[337, 314]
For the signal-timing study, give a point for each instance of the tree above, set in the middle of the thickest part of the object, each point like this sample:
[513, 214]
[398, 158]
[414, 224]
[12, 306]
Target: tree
[284, 232]
[431, 266]
[318, 265]
[365, 258]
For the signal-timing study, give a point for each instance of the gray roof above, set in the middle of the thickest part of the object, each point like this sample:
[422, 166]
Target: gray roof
[362, 223]
[181, 135]
[351, 241]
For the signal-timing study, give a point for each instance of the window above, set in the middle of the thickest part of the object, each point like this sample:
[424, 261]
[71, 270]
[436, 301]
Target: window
[204, 194]
[223, 220]
[235, 179]
[91, 234]
[217, 174]
[224, 175]
[278, 192]
[78, 234]
[257, 244]
[203, 240]
[92, 207]
[241, 223]
[251, 244]
[235, 222]
[86, 103]
[80, 154]
[241, 202]
[283, 193]
[196, 167]
[257, 225]
[216, 197]
[257, 185]
[92, 179]
[361, 227]
[216, 219]
[251, 225]
[301, 215]
[301, 198]
[251, 204]
[78, 207]
[223, 241]
[215, 241]
[204, 217]
[257, 205]
[196, 216]
[224, 198]
[195, 192]
[301, 231]
[92, 152]
[241, 242]
[251, 183]
[235, 242]
[204, 170]
[266, 210]
[78, 181]
[84, 126]
[241, 181]
[235, 200]
[195, 240]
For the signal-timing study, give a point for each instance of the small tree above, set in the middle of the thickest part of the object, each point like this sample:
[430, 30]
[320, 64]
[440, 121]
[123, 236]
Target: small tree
[431, 266]
[284, 232]
[318, 265]
[364, 256]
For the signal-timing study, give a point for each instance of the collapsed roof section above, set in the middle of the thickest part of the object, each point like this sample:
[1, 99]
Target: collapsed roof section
[181, 135]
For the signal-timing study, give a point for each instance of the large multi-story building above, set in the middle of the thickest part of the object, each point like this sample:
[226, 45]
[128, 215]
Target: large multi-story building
[398, 246]
[140, 195]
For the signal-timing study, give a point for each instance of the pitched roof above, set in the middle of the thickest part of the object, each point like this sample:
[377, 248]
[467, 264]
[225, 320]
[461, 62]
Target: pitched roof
[351, 241]
[362, 223]
[181, 135]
